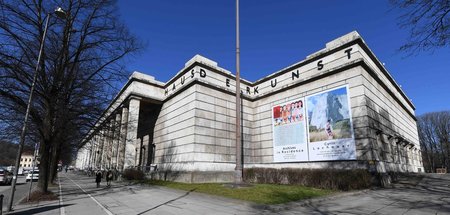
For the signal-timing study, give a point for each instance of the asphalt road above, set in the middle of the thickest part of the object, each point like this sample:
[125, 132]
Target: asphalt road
[22, 188]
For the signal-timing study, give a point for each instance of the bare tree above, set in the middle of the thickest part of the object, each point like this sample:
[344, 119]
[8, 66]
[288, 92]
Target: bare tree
[434, 135]
[82, 59]
[428, 22]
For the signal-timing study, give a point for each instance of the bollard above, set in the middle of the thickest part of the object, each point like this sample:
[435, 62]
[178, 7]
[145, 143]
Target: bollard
[1, 204]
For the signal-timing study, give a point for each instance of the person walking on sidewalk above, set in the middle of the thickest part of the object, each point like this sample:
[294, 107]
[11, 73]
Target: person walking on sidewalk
[98, 178]
[109, 178]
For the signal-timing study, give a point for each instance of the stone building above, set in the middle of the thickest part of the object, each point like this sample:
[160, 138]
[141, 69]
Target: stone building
[338, 108]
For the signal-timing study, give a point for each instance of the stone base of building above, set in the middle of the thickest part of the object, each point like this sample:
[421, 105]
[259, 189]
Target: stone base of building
[382, 173]
[193, 177]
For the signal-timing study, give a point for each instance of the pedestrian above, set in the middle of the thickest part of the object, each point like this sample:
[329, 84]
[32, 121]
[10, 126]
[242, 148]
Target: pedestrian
[329, 130]
[98, 178]
[109, 178]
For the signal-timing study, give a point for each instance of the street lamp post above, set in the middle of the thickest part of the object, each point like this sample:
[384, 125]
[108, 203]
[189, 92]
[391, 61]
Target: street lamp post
[238, 168]
[60, 13]
[32, 171]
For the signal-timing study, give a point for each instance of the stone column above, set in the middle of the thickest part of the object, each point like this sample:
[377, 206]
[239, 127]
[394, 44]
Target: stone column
[116, 141]
[145, 150]
[94, 152]
[110, 142]
[132, 128]
[138, 150]
[102, 148]
[98, 151]
[123, 138]
[88, 156]
[85, 156]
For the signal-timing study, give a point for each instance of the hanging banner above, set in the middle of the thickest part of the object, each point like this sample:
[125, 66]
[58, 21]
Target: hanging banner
[330, 129]
[289, 132]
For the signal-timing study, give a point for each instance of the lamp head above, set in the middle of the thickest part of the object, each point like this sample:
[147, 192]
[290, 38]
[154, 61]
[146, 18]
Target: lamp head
[61, 13]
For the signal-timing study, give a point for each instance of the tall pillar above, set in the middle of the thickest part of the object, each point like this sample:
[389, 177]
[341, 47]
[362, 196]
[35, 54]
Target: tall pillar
[85, 157]
[138, 150]
[94, 152]
[123, 138]
[116, 141]
[95, 155]
[102, 148]
[88, 164]
[110, 148]
[132, 128]
[145, 150]
[96, 164]
[91, 153]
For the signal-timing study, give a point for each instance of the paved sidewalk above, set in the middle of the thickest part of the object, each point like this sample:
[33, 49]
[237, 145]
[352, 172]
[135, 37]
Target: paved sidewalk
[141, 199]
[430, 196]
[80, 196]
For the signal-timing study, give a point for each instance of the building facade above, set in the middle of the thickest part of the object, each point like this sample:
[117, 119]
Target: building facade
[26, 160]
[338, 108]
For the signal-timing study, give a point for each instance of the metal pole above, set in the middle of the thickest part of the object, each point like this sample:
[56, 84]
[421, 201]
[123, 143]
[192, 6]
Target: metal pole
[27, 113]
[238, 169]
[32, 171]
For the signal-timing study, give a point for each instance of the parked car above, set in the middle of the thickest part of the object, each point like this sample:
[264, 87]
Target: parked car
[32, 175]
[5, 176]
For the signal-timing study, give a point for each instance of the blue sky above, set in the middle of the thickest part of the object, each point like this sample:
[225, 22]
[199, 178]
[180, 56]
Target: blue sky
[276, 34]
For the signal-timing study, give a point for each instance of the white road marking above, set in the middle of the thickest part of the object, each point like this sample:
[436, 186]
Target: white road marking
[95, 200]
[62, 210]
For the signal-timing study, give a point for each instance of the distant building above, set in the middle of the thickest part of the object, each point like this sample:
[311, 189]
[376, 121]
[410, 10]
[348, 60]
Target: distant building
[338, 108]
[26, 160]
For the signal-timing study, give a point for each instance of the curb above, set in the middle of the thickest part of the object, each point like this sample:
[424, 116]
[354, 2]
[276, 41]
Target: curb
[19, 202]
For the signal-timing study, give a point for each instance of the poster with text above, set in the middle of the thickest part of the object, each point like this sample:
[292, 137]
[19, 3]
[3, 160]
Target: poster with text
[330, 129]
[289, 132]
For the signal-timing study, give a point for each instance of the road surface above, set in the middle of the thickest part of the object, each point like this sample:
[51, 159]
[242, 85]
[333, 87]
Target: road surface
[22, 188]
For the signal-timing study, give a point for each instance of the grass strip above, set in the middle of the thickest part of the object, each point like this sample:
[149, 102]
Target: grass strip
[258, 193]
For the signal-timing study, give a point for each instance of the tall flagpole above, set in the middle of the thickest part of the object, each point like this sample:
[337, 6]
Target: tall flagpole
[238, 169]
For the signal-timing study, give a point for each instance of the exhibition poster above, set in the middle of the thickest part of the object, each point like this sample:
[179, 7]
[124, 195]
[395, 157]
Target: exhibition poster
[289, 132]
[330, 131]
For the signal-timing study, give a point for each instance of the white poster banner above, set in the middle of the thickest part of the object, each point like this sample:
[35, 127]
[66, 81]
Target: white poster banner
[330, 130]
[289, 132]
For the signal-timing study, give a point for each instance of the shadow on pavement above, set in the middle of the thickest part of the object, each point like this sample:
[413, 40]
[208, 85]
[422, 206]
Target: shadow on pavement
[165, 203]
[39, 209]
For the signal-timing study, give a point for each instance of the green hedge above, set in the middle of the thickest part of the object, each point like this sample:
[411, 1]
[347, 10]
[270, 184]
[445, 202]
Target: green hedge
[320, 178]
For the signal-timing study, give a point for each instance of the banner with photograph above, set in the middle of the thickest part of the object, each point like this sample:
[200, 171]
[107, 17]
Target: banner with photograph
[289, 132]
[330, 129]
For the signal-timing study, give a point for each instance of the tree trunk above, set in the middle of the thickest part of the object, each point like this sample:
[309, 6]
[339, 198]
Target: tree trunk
[54, 163]
[44, 149]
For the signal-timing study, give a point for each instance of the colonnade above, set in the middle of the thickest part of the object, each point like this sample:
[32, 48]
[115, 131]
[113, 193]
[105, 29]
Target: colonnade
[112, 144]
